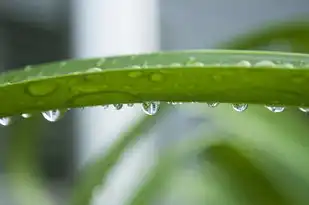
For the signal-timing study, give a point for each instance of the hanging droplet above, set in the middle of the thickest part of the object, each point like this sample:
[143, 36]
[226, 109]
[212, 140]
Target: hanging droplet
[53, 115]
[304, 109]
[105, 106]
[118, 106]
[150, 108]
[213, 104]
[6, 121]
[275, 109]
[240, 107]
[130, 104]
[26, 115]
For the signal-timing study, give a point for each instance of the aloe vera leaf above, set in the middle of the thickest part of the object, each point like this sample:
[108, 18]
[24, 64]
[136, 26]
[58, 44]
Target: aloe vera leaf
[223, 76]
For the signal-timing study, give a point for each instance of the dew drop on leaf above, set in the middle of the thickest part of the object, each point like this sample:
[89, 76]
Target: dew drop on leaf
[93, 70]
[275, 109]
[150, 108]
[240, 107]
[105, 106]
[53, 115]
[265, 63]
[41, 88]
[304, 109]
[244, 63]
[26, 115]
[130, 104]
[5, 121]
[156, 77]
[118, 106]
[212, 104]
[173, 103]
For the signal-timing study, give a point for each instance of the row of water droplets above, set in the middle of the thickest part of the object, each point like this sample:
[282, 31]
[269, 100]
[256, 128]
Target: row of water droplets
[149, 108]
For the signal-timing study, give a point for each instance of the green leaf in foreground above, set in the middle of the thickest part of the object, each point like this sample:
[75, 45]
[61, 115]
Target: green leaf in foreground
[207, 75]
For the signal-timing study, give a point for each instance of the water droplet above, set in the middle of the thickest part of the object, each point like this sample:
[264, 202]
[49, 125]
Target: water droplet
[173, 103]
[42, 88]
[26, 115]
[53, 115]
[212, 104]
[118, 106]
[175, 65]
[240, 107]
[93, 70]
[101, 62]
[62, 64]
[304, 109]
[244, 63]
[275, 109]
[265, 63]
[135, 74]
[105, 106]
[287, 65]
[130, 104]
[156, 77]
[6, 121]
[199, 64]
[150, 108]
[28, 68]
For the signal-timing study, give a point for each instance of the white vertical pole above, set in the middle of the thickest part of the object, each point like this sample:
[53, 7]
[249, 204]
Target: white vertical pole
[103, 28]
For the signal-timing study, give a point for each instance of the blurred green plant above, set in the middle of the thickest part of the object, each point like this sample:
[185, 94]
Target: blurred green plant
[257, 157]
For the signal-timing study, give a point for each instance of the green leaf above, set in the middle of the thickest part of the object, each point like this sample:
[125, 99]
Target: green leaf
[294, 32]
[216, 75]
[246, 181]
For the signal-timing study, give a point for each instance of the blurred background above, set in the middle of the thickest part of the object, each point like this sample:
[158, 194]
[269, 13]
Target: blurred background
[38, 31]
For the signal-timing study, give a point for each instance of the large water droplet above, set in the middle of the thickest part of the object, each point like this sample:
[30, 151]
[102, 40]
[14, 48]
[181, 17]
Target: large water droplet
[304, 109]
[53, 115]
[130, 104]
[150, 108]
[5, 121]
[118, 106]
[240, 107]
[212, 104]
[26, 115]
[275, 109]
[41, 88]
